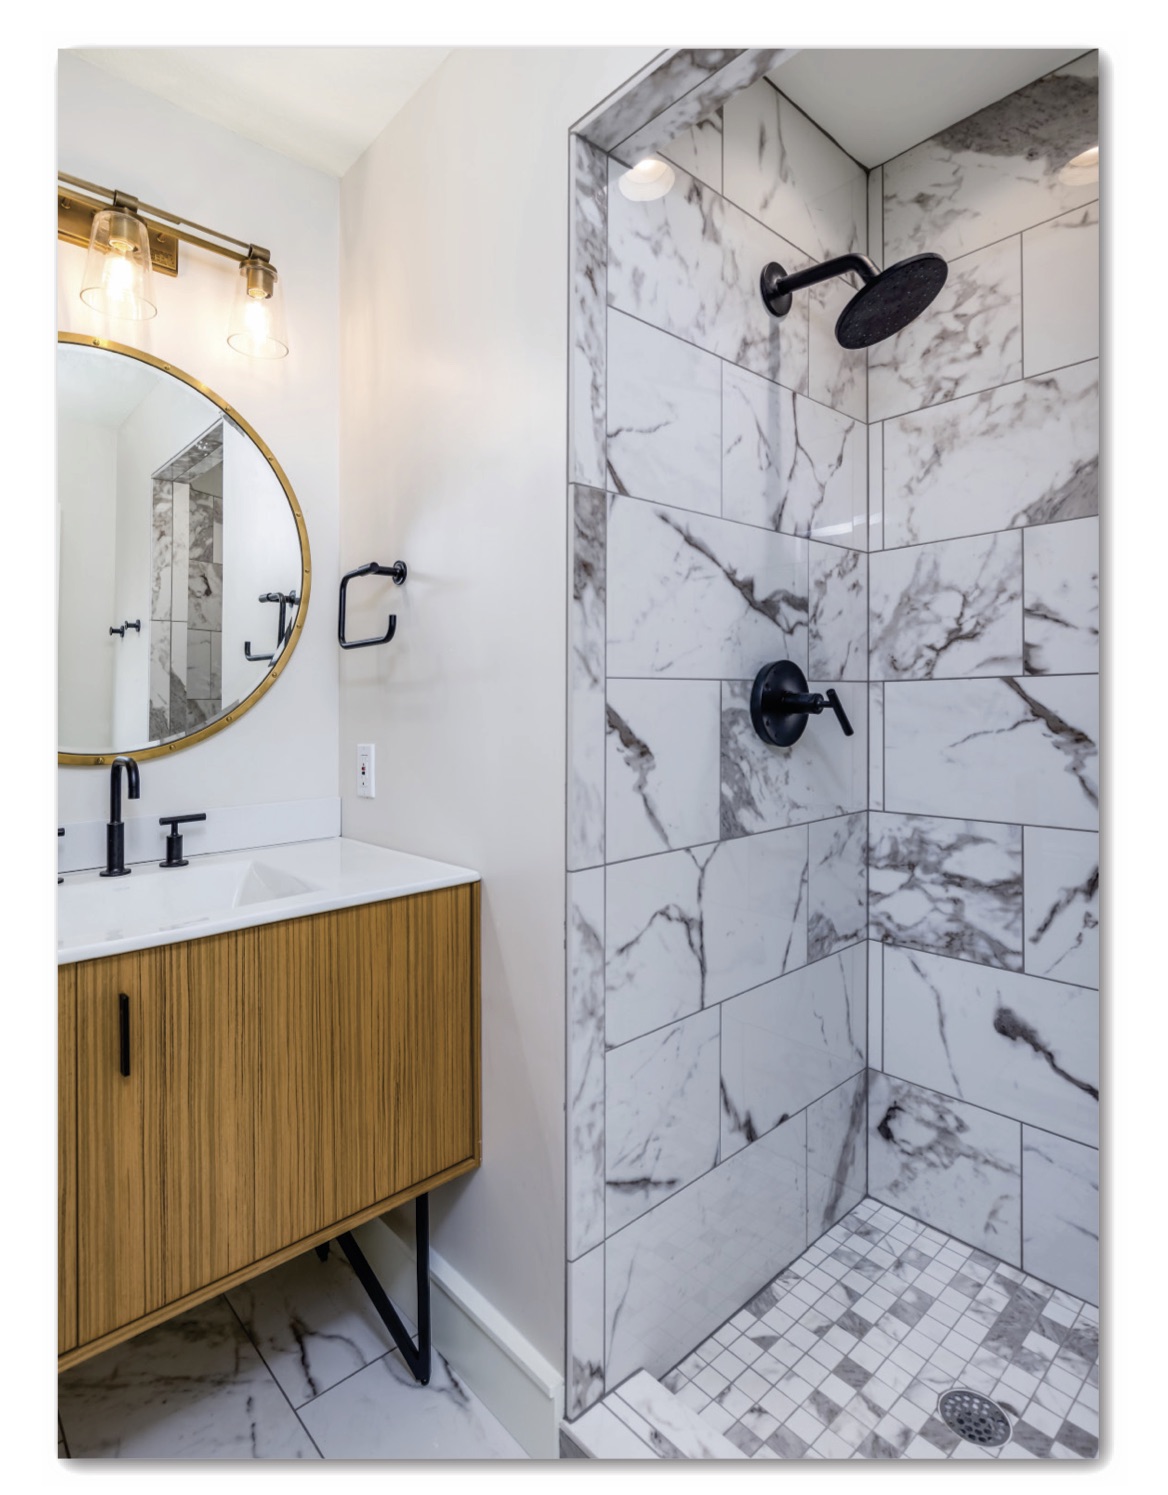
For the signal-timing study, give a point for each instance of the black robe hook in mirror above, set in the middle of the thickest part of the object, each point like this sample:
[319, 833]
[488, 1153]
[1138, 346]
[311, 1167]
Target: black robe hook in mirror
[780, 704]
[398, 572]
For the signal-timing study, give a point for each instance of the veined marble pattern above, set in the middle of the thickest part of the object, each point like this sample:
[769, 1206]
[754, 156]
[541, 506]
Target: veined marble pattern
[645, 99]
[953, 887]
[664, 417]
[199, 684]
[785, 171]
[682, 1269]
[1060, 1236]
[161, 548]
[585, 1074]
[837, 1153]
[585, 1332]
[202, 525]
[1062, 905]
[661, 1115]
[755, 909]
[205, 452]
[996, 172]
[1060, 277]
[837, 376]
[789, 463]
[1021, 751]
[823, 774]
[1061, 605]
[205, 595]
[876, 746]
[875, 1005]
[786, 1044]
[952, 1164]
[586, 368]
[698, 597]
[586, 695]
[662, 765]
[1027, 453]
[837, 617]
[689, 263]
[1019, 1045]
[837, 884]
[952, 608]
[876, 487]
[969, 339]
[698, 150]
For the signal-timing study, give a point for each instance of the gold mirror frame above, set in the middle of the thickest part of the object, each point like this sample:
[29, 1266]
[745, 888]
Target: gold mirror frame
[160, 750]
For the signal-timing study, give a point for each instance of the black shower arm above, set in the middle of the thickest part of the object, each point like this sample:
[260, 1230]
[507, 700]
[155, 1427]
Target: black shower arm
[779, 284]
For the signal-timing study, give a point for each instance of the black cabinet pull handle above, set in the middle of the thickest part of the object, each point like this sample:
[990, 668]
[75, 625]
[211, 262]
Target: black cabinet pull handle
[124, 1034]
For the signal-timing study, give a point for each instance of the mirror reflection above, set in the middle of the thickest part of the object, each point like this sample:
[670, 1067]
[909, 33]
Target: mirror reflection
[181, 570]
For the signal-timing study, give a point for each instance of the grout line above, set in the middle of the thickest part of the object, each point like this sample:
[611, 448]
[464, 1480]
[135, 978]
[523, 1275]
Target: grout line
[963, 1100]
[974, 534]
[970, 394]
[275, 1379]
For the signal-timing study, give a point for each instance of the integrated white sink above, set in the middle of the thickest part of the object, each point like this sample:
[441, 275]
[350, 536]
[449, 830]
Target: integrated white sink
[231, 890]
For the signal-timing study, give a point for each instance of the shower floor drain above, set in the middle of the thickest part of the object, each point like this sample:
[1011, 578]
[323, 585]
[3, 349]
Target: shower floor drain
[974, 1418]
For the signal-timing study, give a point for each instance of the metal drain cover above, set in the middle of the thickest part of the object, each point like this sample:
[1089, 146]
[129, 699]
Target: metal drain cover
[974, 1418]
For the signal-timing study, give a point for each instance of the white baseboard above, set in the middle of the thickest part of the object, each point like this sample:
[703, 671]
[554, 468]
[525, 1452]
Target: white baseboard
[505, 1371]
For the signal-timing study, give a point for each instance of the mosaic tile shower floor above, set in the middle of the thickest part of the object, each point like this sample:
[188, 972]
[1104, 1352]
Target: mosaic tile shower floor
[845, 1354]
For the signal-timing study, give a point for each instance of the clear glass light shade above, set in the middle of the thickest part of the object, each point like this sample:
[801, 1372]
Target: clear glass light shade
[646, 180]
[119, 280]
[257, 313]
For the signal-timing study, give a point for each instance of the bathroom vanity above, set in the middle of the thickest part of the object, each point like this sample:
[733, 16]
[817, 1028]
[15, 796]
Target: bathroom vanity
[257, 1053]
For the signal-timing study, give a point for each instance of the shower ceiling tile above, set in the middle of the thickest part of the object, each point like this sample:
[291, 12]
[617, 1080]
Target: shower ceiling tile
[948, 609]
[1061, 617]
[698, 150]
[837, 884]
[953, 887]
[664, 417]
[969, 339]
[662, 765]
[698, 597]
[1060, 1241]
[689, 263]
[1062, 905]
[1060, 278]
[790, 464]
[1011, 750]
[837, 1154]
[946, 1162]
[996, 172]
[837, 376]
[837, 616]
[586, 706]
[1019, 1045]
[1027, 453]
[585, 1077]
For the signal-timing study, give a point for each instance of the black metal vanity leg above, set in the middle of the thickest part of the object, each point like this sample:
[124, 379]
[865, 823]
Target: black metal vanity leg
[418, 1357]
[322, 1251]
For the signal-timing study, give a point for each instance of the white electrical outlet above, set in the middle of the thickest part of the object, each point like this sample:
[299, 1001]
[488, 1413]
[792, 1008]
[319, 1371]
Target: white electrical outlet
[366, 771]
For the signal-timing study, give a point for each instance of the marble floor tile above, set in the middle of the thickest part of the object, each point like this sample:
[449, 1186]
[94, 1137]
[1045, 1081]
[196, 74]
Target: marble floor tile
[1060, 280]
[1062, 905]
[1061, 602]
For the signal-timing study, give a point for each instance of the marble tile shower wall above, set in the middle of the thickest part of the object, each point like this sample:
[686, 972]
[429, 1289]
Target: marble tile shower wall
[984, 626]
[717, 910]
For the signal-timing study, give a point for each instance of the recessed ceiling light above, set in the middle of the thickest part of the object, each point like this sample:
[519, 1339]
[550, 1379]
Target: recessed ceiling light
[647, 179]
[1082, 169]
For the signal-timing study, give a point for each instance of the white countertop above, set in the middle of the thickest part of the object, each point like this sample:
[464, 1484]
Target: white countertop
[99, 916]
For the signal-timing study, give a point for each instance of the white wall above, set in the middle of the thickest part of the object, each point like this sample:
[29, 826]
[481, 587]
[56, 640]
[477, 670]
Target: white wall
[87, 495]
[454, 436]
[286, 747]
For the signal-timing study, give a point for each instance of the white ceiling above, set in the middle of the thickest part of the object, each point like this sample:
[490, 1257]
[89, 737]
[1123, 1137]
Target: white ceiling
[877, 101]
[100, 395]
[320, 105]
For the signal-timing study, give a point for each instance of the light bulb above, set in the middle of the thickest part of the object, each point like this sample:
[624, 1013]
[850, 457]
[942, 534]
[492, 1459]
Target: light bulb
[647, 180]
[118, 279]
[257, 314]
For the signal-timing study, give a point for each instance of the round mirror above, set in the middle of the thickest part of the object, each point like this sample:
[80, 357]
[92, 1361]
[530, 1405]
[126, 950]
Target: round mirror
[182, 558]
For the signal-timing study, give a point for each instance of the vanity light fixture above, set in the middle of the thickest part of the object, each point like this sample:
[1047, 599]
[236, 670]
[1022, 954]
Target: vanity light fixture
[646, 180]
[128, 240]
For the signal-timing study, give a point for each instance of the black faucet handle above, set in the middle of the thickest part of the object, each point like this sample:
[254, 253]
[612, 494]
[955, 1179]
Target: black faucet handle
[60, 832]
[174, 842]
[841, 715]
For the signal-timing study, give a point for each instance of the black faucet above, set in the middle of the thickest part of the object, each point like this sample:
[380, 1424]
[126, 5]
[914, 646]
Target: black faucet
[115, 831]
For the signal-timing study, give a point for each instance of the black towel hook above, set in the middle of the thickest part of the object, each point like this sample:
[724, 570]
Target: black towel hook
[398, 572]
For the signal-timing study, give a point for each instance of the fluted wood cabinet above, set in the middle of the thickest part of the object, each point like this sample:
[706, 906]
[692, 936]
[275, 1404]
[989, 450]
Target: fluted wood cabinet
[228, 1102]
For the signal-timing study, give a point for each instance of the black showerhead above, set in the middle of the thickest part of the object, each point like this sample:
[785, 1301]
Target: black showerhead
[885, 304]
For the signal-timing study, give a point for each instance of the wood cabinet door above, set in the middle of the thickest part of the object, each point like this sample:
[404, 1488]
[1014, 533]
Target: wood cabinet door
[66, 1158]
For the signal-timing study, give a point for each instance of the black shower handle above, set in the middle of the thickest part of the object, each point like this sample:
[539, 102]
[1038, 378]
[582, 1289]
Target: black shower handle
[841, 715]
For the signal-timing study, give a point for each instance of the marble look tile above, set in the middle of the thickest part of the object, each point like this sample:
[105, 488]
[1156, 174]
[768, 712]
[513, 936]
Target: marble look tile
[160, 665]
[836, 376]
[1062, 905]
[837, 613]
[672, 78]
[837, 1154]
[602, 1435]
[875, 1005]
[585, 1332]
[789, 1042]
[661, 1115]
[823, 774]
[191, 1388]
[698, 150]
[202, 523]
[205, 595]
[681, 1270]
[697, 597]
[953, 887]
[951, 1164]
[586, 368]
[662, 765]
[664, 417]
[1060, 1235]
[784, 170]
[996, 172]
[1019, 1045]
[586, 699]
[952, 608]
[585, 1073]
[198, 664]
[876, 746]
[687, 263]
[789, 463]
[180, 557]
[680, 1429]
[383, 1413]
[837, 884]
[1061, 604]
[876, 487]
[1011, 750]
[1027, 453]
[969, 339]
[875, 250]
[1060, 278]
[754, 907]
